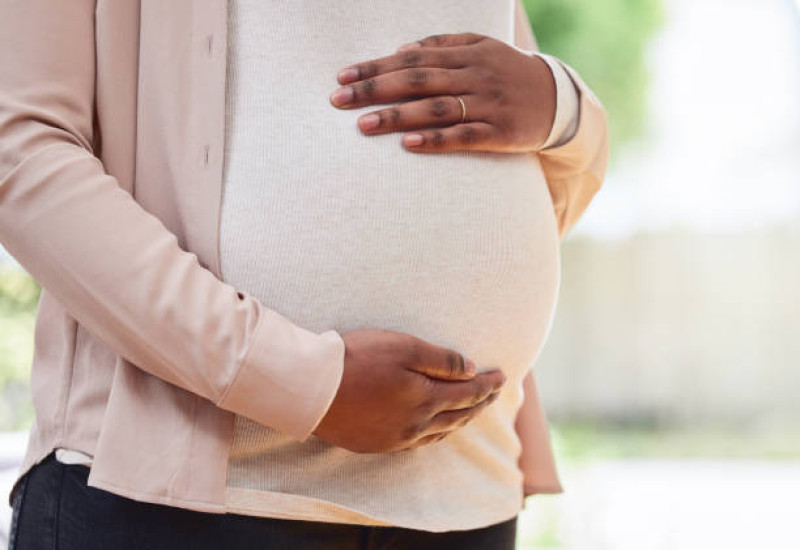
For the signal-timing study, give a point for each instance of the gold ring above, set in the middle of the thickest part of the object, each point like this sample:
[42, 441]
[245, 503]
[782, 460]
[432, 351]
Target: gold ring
[463, 109]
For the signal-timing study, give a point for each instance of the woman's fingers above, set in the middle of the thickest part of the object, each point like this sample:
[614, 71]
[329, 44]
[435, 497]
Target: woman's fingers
[421, 57]
[400, 85]
[472, 136]
[433, 438]
[427, 52]
[430, 112]
[446, 422]
[443, 40]
[435, 125]
[465, 394]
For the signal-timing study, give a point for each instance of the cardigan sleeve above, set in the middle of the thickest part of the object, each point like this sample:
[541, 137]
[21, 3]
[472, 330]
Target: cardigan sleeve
[115, 267]
[536, 461]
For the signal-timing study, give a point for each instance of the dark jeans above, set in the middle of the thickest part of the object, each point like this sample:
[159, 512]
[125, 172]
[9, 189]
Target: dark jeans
[54, 509]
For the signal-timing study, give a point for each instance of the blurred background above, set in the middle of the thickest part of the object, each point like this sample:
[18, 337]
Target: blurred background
[670, 377]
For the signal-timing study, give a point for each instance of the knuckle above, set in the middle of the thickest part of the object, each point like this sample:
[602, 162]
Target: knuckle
[483, 41]
[388, 118]
[467, 135]
[368, 70]
[498, 95]
[411, 58]
[436, 39]
[478, 56]
[437, 139]
[417, 78]
[367, 88]
[439, 108]
[468, 54]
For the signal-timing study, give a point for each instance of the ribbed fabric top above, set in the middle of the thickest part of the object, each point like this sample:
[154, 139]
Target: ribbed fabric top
[337, 230]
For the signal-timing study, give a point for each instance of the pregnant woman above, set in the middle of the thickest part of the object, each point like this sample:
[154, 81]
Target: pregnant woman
[297, 260]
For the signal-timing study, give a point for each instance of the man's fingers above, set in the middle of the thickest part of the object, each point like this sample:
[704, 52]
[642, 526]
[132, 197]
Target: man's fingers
[471, 136]
[420, 57]
[467, 393]
[443, 40]
[400, 85]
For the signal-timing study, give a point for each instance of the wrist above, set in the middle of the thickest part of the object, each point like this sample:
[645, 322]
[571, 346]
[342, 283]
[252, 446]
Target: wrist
[565, 119]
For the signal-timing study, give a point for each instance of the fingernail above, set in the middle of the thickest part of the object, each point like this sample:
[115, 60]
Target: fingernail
[471, 368]
[348, 75]
[409, 46]
[370, 121]
[412, 140]
[342, 96]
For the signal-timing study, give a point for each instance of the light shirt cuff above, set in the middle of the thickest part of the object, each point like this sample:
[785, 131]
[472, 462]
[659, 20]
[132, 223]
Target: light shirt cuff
[565, 124]
[567, 104]
[70, 456]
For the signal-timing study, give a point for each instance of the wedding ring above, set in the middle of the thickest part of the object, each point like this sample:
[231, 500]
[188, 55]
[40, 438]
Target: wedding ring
[463, 109]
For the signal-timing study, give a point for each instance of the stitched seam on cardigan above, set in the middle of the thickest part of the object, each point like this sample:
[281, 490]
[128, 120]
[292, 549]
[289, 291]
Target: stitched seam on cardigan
[66, 388]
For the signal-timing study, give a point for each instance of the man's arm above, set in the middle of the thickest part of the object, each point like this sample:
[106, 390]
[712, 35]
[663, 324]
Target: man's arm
[115, 267]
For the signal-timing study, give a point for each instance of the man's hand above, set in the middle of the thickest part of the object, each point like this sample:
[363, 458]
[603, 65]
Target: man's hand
[400, 392]
[509, 97]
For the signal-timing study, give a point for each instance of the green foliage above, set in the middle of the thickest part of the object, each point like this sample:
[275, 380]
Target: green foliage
[585, 442]
[604, 40]
[19, 292]
[19, 296]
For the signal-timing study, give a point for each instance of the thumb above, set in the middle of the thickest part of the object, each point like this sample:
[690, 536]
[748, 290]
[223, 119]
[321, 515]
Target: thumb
[443, 363]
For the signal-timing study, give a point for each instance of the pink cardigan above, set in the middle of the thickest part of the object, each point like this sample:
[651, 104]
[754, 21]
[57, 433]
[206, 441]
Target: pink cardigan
[111, 142]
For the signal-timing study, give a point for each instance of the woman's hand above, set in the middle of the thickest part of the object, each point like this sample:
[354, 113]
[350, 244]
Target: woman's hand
[509, 97]
[400, 392]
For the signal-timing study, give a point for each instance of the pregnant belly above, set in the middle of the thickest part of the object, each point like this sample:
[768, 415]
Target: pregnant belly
[458, 249]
